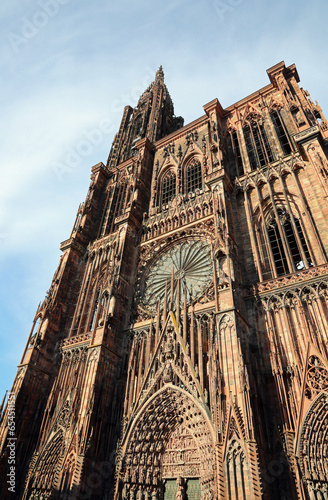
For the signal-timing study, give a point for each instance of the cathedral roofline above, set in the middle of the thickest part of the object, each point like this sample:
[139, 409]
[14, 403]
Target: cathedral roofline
[251, 96]
[181, 131]
[277, 68]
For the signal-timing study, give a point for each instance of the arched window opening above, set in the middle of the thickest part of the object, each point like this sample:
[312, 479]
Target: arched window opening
[237, 472]
[94, 311]
[138, 127]
[36, 326]
[257, 145]
[281, 132]
[116, 206]
[168, 187]
[290, 240]
[298, 116]
[66, 481]
[35, 330]
[102, 308]
[277, 248]
[237, 152]
[77, 221]
[194, 176]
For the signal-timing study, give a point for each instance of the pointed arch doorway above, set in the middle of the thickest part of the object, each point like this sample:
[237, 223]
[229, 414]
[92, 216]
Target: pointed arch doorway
[169, 448]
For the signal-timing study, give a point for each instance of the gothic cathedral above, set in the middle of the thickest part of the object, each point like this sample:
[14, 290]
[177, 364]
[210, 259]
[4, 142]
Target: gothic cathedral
[181, 352]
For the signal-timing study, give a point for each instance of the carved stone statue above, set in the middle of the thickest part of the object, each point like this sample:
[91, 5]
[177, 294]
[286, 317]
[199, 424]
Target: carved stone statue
[139, 494]
[154, 495]
[180, 495]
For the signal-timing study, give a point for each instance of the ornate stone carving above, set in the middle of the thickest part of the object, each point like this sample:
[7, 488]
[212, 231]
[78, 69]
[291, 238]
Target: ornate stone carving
[316, 377]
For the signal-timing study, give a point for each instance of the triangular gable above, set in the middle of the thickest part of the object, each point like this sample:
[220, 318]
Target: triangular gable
[165, 363]
[251, 110]
[315, 381]
[233, 428]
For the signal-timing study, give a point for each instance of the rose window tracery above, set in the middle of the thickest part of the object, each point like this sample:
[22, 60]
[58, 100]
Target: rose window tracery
[317, 377]
[187, 265]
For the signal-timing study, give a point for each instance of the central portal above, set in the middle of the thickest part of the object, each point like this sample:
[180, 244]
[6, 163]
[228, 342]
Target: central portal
[169, 451]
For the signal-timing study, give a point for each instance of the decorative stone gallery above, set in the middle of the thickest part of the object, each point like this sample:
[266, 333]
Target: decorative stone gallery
[181, 351]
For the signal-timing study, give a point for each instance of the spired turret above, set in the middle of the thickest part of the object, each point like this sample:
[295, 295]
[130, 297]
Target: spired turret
[153, 117]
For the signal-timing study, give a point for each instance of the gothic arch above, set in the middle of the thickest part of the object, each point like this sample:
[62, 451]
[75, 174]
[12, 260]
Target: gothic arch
[239, 484]
[266, 205]
[224, 322]
[192, 174]
[170, 410]
[67, 473]
[251, 114]
[45, 472]
[282, 235]
[190, 154]
[167, 185]
[313, 446]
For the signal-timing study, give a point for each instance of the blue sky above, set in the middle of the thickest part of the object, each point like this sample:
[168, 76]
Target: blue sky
[68, 68]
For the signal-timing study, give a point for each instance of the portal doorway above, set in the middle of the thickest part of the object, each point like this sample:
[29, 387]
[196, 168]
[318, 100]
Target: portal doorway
[189, 489]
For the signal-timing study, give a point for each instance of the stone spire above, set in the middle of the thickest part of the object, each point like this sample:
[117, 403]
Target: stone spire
[153, 117]
[159, 78]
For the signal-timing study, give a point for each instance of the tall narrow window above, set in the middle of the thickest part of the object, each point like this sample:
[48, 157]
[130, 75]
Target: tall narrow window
[257, 145]
[237, 153]
[194, 176]
[168, 187]
[277, 245]
[115, 206]
[94, 311]
[281, 132]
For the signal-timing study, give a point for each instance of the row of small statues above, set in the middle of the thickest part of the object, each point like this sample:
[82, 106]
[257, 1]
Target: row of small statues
[132, 492]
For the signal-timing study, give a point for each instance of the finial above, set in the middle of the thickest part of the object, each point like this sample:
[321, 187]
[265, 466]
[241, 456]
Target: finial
[159, 75]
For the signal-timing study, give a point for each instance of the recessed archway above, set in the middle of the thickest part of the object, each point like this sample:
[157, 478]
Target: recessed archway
[171, 437]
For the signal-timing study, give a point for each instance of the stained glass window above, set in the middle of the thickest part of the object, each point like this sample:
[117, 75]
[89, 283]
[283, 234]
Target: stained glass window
[194, 176]
[168, 187]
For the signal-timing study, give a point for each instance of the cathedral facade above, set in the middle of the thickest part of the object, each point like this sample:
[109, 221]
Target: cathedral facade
[181, 352]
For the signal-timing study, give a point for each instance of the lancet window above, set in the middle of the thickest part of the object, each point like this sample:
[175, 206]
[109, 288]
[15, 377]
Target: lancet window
[257, 145]
[288, 245]
[281, 132]
[115, 207]
[194, 178]
[168, 190]
[94, 311]
[67, 479]
[237, 152]
[237, 472]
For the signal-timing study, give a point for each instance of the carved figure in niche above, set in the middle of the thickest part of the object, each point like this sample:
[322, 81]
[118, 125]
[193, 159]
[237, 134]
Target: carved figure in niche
[147, 494]
[134, 476]
[298, 117]
[168, 373]
[125, 493]
[180, 457]
[180, 490]
[154, 495]
[127, 476]
[139, 494]
[133, 493]
[142, 475]
[314, 151]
